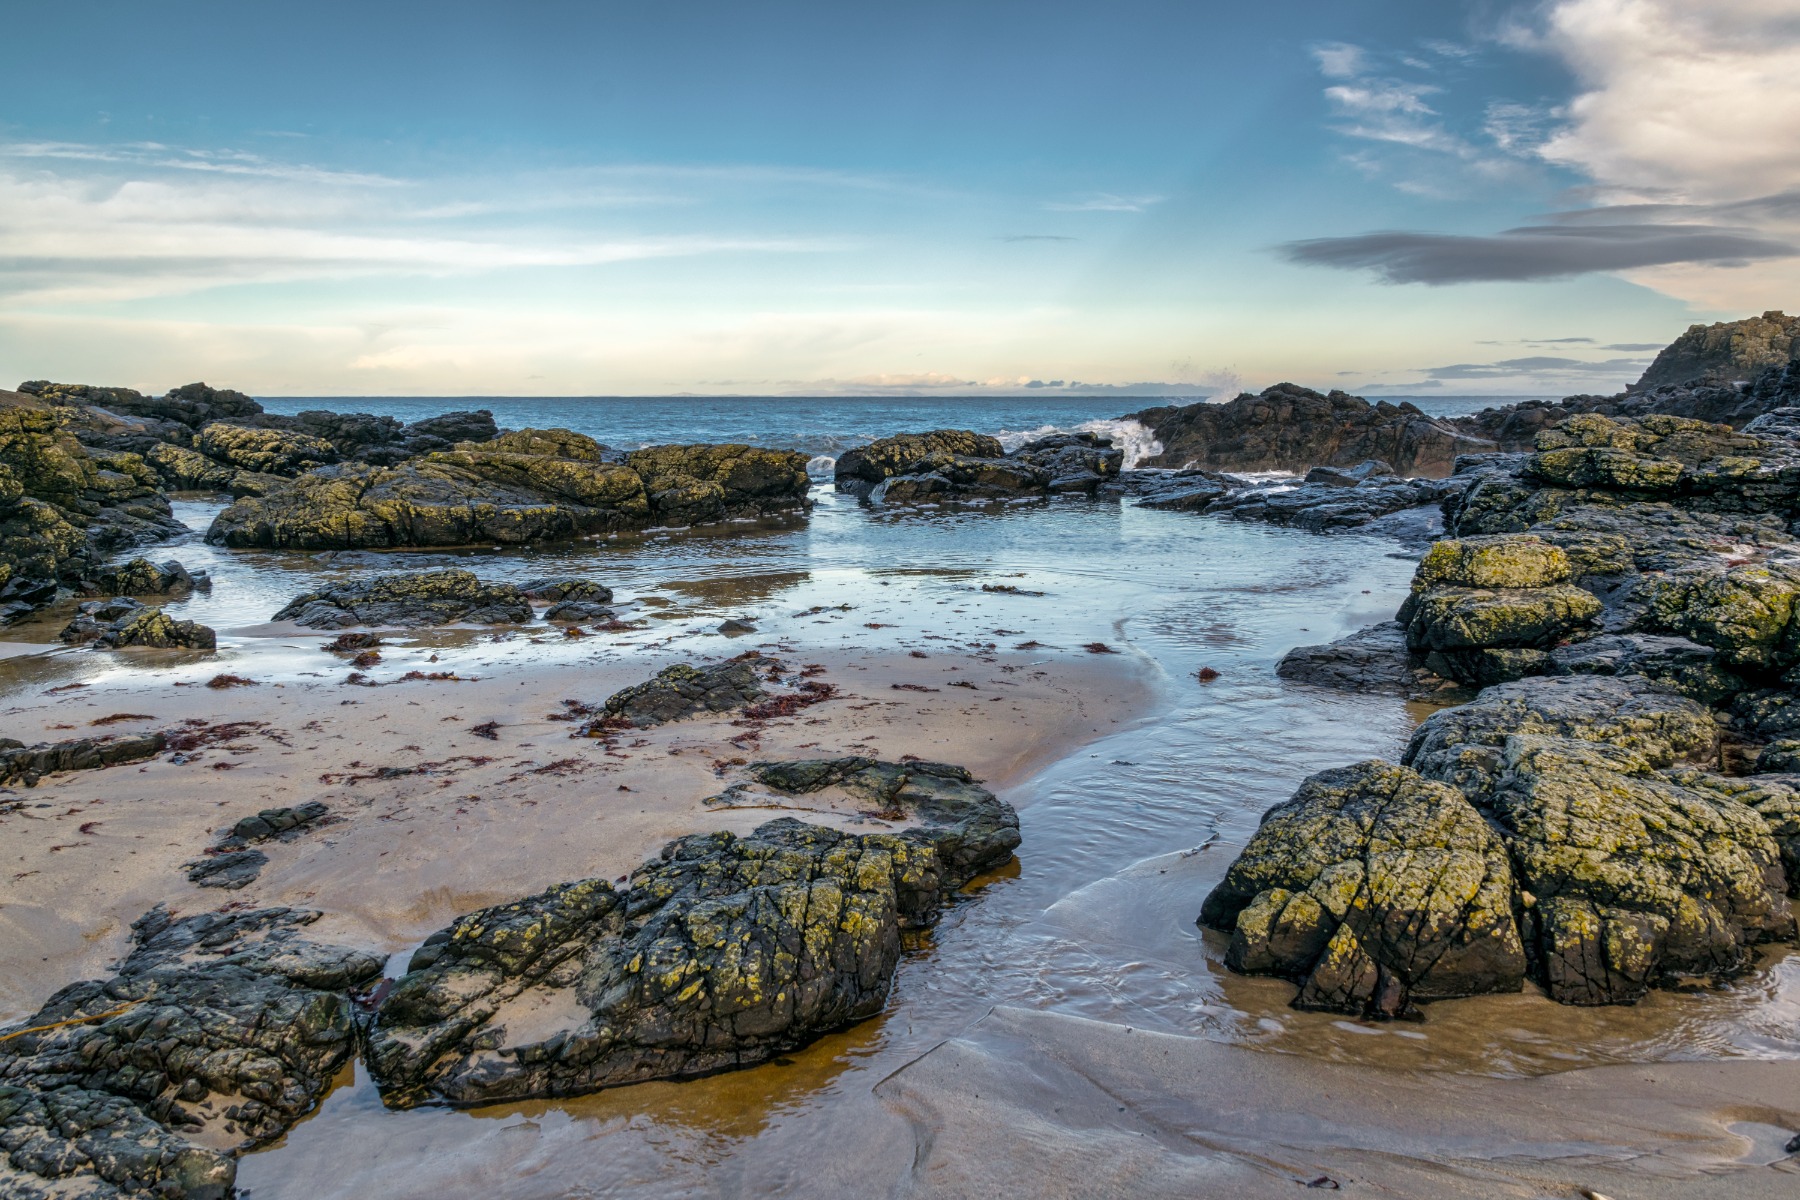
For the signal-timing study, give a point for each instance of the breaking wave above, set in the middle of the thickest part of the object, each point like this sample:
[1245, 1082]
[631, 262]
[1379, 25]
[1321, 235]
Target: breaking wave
[1133, 437]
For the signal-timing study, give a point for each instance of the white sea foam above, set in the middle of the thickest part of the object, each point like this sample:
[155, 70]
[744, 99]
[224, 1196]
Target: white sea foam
[821, 466]
[1133, 437]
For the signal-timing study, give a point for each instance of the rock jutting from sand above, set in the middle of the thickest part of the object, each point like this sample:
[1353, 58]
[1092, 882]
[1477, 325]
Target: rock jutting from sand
[219, 1032]
[525, 486]
[723, 952]
[683, 691]
[24, 764]
[412, 598]
[120, 622]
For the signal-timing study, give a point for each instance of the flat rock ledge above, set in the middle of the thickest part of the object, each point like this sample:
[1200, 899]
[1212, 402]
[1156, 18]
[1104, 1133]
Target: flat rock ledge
[219, 1032]
[722, 952]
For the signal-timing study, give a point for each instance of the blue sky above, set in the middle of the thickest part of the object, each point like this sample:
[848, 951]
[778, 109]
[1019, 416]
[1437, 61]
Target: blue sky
[562, 198]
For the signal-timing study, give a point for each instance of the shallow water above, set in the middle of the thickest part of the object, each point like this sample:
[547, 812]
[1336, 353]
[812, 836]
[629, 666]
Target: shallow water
[1122, 838]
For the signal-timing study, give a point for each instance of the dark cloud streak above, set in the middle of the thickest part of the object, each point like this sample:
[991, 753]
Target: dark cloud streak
[1531, 252]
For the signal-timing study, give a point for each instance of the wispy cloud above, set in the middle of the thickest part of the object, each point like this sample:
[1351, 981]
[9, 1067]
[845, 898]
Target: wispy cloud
[1539, 366]
[1105, 202]
[1036, 237]
[218, 162]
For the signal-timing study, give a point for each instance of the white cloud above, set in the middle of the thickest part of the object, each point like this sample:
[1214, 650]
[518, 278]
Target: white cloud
[1105, 202]
[1340, 60]
[1694, 100]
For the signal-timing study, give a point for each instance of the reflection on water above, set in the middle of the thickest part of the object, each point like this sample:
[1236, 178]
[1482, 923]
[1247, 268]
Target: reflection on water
[1122, 839]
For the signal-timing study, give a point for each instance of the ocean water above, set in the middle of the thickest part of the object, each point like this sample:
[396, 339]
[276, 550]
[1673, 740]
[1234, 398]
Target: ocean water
[1123, 836]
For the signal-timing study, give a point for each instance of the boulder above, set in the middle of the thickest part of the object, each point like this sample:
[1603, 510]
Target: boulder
[723, 952]
[1373, 660]
[1290, 428]
[219, 1032]
[121, 622]
[275, 823]
[141, 577]
[445, 596]
[1635, 871]
[692, 485]
[957, 478]
[1746, 613]
[264, 451]
[859, 470]
[1074, 462]
[1374, 889]
[1686, 668]
[682, 691]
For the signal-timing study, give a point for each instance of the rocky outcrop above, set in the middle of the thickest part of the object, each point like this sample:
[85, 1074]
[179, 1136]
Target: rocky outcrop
[219, 1032]
[859, 470]
[723, 952]
[1374, 660]
[264, 451]
[120, 622]
[683, 691]
[1374, 889]
[442, 597]
[531, 485]
[1330, 498]
[1290, 428]
[25, 765]
[1725, 352]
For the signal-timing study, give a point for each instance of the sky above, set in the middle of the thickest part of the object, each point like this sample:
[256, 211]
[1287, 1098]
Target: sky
[1142, 196]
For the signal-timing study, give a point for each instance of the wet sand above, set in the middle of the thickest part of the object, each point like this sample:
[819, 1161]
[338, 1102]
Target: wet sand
[476, 820]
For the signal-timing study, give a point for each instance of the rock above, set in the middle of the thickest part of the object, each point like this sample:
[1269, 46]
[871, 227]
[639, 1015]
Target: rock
[1374, 889]
[1746, 613]
[22, 595]
[141, 577]
[264, 451]
[1289, 428]
[1181, 491]
[557, 590]
[1726, 351]
[724, 952]
[692, 485]
[181, 469]
[1074, 462]
[445, 596]
[1373, 660]
[1363, 472]
[453, 427]
[1323, 507]
[859, 470]
[231, 870]
[226, 1029]
[682, 691]
[579, 610]
[1639, 875]
[957, 478]
[27, 764]
[528, 485]
[1684, 667]
[275, 823]
[736, 628]
[120, 622]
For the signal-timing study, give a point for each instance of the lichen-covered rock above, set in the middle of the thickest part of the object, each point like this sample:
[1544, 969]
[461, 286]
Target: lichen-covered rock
[700, 483]
[225, 1029]
[120, 622]
[724, 952]
[1074, 462]
[1684, 667]
[185, 470]
[1726, 351]
[1455, 618]
[1744, 612]
[264, 451]
[1634, 869]
[682, 691]
[859, 470]
[943, 477]
[441, 597]
[1491, 562]
[26, 765]
[141, 577]
[1372, 660]
[1374, 889]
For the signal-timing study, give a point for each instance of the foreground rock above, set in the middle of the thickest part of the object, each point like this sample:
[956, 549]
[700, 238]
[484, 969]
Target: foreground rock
[441, 597]
[219, 1032]
[141, 577]
[26, 765]
[956, 466]
[1373, 888]
[1290, 428]
[122, 622]
[526, 486]
[724, 952]
[1633, 863]
[683, 691]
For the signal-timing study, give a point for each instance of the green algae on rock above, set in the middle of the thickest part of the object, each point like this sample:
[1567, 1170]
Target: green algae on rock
[861, 469]
[1373, 888]
[723, 952]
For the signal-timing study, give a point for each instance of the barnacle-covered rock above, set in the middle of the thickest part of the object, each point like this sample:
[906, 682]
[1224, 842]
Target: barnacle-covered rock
[723, 952]
[1374, 889]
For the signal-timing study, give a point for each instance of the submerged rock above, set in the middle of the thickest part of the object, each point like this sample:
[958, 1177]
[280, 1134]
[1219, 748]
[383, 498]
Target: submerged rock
[683, 691]
[219, 1032]
[442, 597]
[724, 952]
[1374, 889]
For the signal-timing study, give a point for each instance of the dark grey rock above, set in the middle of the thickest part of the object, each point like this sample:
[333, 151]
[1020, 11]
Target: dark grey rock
[440, 597]
[683, 691]
[27, 764]
[231, 870]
